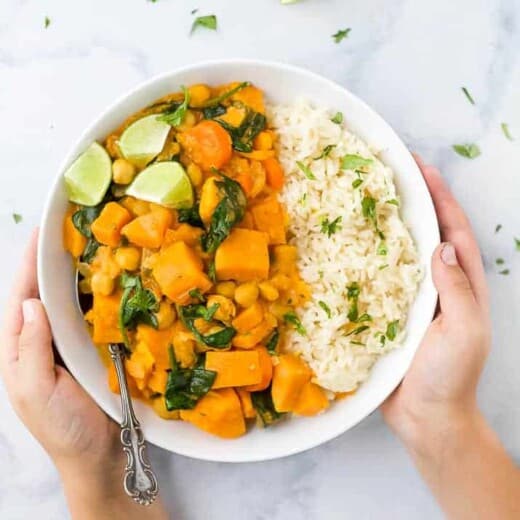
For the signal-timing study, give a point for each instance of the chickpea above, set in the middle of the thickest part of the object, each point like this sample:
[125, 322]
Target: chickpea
[188, 121]
[166, 315]
[184, 350]
[128, 258]
[195, 174]
[226, 308]
[226, 289]
[123, 171]
[101, 283]
[84, 286]
[268, 291]
[246, 294]
[199, 94]
[281, 281]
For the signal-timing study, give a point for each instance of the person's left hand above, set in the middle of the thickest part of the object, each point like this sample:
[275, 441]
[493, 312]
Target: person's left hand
[57, 411]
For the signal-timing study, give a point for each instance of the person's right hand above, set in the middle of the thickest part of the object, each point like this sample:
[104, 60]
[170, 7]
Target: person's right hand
[439, 391]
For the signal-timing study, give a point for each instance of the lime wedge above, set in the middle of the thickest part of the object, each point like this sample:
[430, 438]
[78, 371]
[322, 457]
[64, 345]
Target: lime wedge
[164, 183]
[143, 140]
[87, 179]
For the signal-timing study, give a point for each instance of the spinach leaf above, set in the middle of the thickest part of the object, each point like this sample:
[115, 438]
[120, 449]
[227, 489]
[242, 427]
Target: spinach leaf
[213, 111]
[175, 117]
[220, 339]
[272, 342]
[185, 386]
[229, 212]
[137, 305]
[219, 99]
[242, 136]
[212, 271]
[263, 404]
[190, 216]
[82, 220]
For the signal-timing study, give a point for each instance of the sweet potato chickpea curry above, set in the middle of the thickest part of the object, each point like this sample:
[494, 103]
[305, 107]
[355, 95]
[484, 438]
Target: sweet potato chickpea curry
[202, 288]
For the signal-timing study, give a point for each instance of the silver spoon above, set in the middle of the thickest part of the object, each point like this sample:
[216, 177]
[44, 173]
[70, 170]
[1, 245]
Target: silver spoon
[139, 479]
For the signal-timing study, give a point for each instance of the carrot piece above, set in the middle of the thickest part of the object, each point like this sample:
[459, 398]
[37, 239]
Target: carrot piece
[246, 182]
[274, 173]
[235, 368]
[269, 217]
[73, 240]
[289, 377]
[218, 412]
[107, 227]
[148, 230]
[266, 366]
[311, 401]
[208, 144]
[247, 404]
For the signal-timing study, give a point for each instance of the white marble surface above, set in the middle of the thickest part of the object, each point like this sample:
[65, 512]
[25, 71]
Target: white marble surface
[408, 59]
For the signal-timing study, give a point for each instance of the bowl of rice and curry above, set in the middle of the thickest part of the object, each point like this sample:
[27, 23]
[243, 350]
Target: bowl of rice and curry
[258, 239]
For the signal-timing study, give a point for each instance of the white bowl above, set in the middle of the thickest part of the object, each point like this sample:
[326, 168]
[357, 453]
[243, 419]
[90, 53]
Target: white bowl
[282, 83]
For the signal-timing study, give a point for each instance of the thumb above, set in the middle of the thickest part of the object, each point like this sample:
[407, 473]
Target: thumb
[35, 356]
[456, 297]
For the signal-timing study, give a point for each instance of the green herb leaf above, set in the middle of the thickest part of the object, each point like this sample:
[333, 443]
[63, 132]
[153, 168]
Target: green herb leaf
[185, 386]
[394, 202]
[17, 218]
[382, 340]
[382, 248]
[326, 308]
[303, 199]
[506, 132]
[190, 216]
[242, 136]
[504, 272]
[468, 150]
[341, 34]
[500, 261]
[231, 92]
[197, 295]
[468, 95]
[357, 183]
[229, 212]
[517, 244]
[306, 171]
[82, 220]
[176, 117]
[498, 228]
[338, 118]
[290, 317]
[368, 208]
[46, 22]
[193, 11]
[263, 404]
[358, 330]
[272, 342]
[212, 271]
[392, 330]
[364, 317]
[329, 228]
[353, 291]
[208, 22]
[326, 152]
[354, 162]
[381, 267]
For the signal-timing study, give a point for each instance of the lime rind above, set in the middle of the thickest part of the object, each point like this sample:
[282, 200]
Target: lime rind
[144, 140]
[165, 183]
[87, 179]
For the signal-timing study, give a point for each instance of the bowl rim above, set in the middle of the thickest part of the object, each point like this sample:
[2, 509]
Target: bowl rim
[332, 433]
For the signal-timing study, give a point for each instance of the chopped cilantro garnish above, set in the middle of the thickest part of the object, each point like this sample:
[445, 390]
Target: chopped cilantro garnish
[392, 330]
[468, 150]
[354, 162]
[208, 22]
[468, 95]
[394, 202]
[506, 132]
[326, 152]
[338, 118]
[382, 248]
[330, 227]
[358, 330]
[326, 308]
[17, 218]
[290, 317]
[306, 171]
[341, 34]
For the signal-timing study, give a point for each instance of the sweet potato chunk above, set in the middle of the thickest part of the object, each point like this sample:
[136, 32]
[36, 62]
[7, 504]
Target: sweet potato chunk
[157, 342]
[243, 256]
[247, 404]
[178, 270]
[311, 401]
[255, 336]
[235, 368]
[105, 313]
[209, 199]
[284, 259]
[184, 233]
[148, 230]
[289, 377]
[268, 216]
[266, 367]
[249, 318]
[73, 240]
[218, 412]
[107, 227]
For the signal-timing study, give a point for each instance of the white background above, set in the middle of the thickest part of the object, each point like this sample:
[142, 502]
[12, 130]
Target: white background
[408, 59]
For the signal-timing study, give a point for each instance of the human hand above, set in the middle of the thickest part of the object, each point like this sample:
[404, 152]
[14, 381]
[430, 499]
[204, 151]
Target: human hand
[81, 440]
[438, 394]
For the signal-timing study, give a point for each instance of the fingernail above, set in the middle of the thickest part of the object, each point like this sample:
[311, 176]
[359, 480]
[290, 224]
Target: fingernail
[448, 254]
[28, 311]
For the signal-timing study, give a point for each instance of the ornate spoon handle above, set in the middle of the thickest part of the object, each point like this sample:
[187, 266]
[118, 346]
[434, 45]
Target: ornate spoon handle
[139, 480]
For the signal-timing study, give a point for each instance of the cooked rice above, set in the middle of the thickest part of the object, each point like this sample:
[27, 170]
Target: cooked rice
[388, 283]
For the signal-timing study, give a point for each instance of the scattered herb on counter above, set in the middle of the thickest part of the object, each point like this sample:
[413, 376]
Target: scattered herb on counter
[341, 34]
[394, 202]
[354, 162]
[498, 228]
[499, 261]
[504, 272]
[506, 132]
[306, 171]
[272, 342]
[46, 22]
[382, 248]
[263, 404]
[175, 117]
[468, 95]
[229, 211]
[517, 243]
[193, 11]
[243, 135]
[468, 150]
[82, 220]
[358, 330]
[290, 317]
[330, 227]
[392, 329]
[326, 152]
[326, 308]
[208, 22]
[190, 216]
[17, 218]
[219, 99]
[338, 118]
[185, 386]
